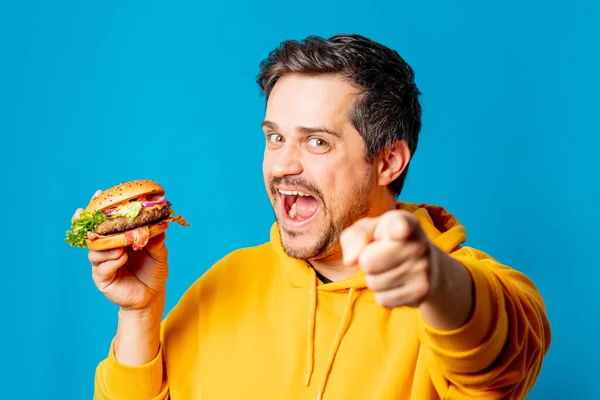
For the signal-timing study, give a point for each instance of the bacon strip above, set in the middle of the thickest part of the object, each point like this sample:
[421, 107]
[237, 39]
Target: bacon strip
[180, 220]
[138, 237]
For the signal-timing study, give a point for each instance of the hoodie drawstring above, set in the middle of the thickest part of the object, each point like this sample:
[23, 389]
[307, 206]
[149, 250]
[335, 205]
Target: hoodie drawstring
[344, 323]
[312, 315]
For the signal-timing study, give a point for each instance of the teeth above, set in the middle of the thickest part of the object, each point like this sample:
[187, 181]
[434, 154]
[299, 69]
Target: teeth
[292, 212]
[293, 193]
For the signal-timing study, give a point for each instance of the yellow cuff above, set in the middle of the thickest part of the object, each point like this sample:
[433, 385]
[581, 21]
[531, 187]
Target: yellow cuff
[479, 341]
[131, 383]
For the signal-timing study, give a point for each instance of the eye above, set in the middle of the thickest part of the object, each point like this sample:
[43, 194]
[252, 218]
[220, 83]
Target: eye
[275, 138]
[316, 143]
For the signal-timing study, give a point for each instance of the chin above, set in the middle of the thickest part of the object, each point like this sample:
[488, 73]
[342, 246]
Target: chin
[298, 252]
[305, 244]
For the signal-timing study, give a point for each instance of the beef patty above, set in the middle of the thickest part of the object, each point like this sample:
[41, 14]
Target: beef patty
[121, 223]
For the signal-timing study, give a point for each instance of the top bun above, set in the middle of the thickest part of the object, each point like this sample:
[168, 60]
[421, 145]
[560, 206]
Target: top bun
[123, 192]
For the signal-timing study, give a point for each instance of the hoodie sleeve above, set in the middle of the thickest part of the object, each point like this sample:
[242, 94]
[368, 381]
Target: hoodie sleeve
[499, 350]
[178, 343]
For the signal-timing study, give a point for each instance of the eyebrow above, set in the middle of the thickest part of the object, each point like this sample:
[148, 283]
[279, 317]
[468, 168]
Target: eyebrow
[303, 129]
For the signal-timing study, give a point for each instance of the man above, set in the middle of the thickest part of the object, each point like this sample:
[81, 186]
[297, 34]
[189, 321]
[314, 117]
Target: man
[356, 295]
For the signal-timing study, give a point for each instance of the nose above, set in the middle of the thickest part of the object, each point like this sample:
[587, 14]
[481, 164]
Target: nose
[287, 161]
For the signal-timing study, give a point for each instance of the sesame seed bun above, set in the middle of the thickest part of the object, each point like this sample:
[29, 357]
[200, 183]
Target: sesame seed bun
[122, 193]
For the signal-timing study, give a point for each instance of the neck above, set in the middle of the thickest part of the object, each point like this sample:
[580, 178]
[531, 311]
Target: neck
[333, 266]
[334, 269]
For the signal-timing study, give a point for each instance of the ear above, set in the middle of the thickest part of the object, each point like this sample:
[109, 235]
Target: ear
[391, 162]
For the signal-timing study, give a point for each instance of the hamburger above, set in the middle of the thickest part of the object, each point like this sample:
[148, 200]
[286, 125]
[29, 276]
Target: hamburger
[128, 214]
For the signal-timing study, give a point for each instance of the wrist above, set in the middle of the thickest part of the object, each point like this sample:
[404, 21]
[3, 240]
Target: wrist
[154, 309]
[450, 302]
[137, 340]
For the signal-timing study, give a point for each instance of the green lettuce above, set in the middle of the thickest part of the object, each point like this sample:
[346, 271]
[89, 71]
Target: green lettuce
[131, 210]
[87, 222]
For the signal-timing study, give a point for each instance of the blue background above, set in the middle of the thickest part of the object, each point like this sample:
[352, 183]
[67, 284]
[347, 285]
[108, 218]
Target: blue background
[95, 93]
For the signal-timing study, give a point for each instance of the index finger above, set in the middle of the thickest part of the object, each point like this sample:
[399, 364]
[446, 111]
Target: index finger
[354, 239]
[396, 225]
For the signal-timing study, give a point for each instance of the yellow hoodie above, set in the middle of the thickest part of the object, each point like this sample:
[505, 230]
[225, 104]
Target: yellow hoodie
[259, 325]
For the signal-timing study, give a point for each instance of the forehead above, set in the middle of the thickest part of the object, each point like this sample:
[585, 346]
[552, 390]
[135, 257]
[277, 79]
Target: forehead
[303, 100]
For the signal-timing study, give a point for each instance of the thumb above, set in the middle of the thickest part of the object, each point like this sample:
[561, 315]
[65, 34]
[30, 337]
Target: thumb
[156, 248]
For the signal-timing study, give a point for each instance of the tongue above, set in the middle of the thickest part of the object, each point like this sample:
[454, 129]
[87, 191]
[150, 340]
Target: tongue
[306, 206]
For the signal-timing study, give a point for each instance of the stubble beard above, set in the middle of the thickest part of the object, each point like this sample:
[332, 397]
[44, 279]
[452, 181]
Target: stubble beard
[328, 238]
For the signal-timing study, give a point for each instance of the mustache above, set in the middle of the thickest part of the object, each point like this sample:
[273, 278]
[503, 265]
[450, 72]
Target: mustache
[296, 182]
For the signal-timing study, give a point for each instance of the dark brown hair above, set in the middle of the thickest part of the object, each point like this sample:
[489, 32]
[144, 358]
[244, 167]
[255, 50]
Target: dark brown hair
[388, 107]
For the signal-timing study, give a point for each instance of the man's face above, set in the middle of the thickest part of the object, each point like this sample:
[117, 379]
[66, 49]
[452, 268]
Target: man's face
[314, 167]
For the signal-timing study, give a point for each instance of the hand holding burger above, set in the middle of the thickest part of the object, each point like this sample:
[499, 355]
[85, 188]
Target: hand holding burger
[123, 230]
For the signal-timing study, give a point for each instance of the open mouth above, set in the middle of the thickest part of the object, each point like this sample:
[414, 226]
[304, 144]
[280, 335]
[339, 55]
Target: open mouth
[298, 206]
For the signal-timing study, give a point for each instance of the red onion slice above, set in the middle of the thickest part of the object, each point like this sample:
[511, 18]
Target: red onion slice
[158, 202]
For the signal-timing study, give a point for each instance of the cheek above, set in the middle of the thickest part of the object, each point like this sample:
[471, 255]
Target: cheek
[329, 178]
[323, 175]
[339, 182]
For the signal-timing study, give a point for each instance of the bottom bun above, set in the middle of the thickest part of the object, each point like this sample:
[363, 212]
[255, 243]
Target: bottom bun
[116, 240]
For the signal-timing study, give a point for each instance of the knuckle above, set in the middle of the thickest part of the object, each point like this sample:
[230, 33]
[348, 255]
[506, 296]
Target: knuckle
[100, 270]
[106, 270]
[98, 274]
[113, 254]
